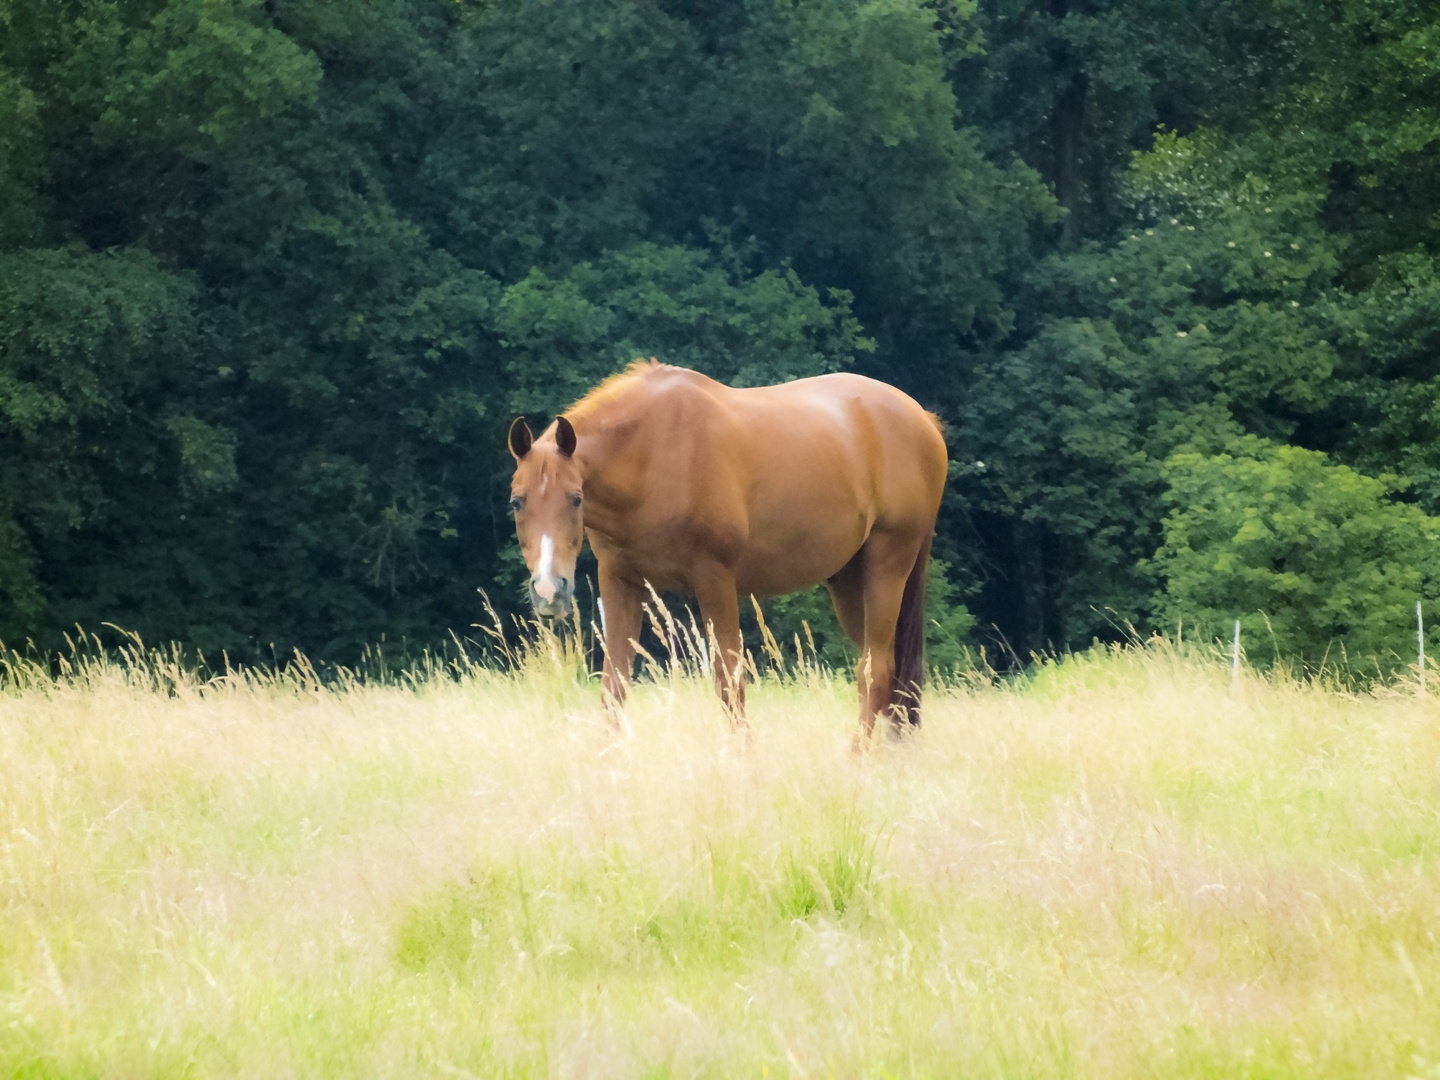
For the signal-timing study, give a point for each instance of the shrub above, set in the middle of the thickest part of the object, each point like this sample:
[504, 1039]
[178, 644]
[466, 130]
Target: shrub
[1312, 557]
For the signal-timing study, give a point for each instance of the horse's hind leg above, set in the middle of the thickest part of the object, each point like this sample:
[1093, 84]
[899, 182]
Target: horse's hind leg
[847, 594]
[889, 559]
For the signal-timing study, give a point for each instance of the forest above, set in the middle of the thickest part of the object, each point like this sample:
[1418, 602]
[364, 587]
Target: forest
[275, 275]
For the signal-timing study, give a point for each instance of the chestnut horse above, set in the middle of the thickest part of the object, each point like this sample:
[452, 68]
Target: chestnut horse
[682, 483]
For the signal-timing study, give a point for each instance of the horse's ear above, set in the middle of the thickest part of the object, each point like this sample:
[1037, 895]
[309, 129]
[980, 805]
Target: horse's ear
[520, 438]
[564, 436]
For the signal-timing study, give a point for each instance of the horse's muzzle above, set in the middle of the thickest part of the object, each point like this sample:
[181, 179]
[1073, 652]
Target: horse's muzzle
[558, 606]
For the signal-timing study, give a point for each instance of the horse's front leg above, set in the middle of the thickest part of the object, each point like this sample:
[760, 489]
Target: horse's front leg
[623, 611]
[720, 610]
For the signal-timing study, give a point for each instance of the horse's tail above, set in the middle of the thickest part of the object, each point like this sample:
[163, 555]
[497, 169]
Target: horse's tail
[910, 642]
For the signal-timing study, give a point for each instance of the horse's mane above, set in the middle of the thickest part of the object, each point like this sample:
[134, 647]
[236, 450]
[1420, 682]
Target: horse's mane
[613, 387]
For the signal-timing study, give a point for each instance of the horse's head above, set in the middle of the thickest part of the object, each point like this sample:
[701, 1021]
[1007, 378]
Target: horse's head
[545, 494]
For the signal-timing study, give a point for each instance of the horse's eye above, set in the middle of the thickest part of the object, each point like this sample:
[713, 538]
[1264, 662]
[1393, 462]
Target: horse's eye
[575, 499]
[517, 502]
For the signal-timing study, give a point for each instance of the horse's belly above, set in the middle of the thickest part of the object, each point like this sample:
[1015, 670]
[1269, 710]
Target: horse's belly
[787, 560]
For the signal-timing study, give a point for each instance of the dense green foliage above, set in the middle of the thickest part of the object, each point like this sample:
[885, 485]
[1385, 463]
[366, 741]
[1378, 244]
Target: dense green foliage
[274, 275]
[1310, 557]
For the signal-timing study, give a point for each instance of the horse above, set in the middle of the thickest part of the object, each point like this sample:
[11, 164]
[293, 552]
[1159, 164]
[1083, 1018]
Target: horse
[684, 484]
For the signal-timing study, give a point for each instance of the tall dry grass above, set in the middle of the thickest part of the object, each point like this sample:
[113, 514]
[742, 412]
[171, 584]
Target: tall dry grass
[1118, 866]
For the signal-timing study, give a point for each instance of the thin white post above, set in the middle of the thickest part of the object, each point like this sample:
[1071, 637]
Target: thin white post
[1420, 642]
[1235, 658]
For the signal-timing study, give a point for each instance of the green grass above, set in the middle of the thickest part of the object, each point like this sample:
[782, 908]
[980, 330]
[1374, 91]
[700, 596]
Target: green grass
[1117, 867]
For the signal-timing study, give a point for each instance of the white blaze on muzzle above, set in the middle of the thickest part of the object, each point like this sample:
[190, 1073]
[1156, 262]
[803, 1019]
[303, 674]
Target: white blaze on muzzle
[544, 579]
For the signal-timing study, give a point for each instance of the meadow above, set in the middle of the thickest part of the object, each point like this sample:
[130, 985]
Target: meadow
[1117, 865]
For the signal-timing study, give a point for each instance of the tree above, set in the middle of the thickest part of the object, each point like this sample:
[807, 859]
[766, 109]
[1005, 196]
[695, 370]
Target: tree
[1315, 560]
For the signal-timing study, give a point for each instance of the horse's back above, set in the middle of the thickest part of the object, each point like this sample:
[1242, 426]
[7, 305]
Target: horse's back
[822, 464]
[887, 447]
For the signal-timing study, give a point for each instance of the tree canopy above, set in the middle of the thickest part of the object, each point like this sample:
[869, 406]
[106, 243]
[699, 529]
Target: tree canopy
[275, 274]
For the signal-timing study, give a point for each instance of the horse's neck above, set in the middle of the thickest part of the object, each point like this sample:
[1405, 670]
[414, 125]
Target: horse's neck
[610, 455]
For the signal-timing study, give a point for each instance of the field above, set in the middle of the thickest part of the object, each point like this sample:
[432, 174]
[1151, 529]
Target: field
[1118, 866]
